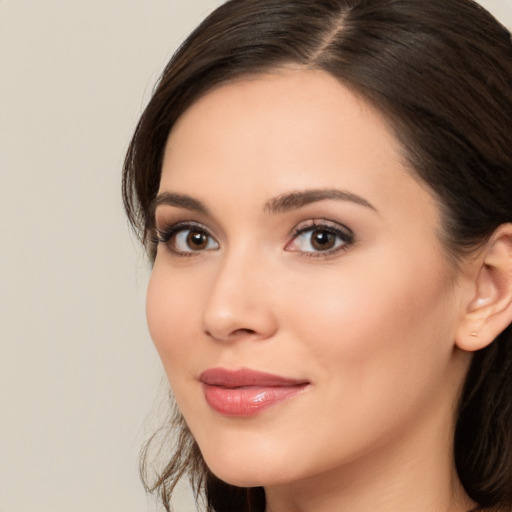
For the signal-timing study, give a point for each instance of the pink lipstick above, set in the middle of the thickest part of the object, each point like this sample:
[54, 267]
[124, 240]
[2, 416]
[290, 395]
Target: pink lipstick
[246, 392]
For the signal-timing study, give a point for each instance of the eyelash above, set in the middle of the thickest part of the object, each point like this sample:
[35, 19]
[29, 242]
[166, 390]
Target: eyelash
[345, 235]
[165, 235]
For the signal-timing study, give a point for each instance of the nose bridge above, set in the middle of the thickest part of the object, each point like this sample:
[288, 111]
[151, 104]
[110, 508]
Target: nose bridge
[238, 303]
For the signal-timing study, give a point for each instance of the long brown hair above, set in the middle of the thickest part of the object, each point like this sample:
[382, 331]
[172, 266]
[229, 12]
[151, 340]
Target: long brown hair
[441, 73]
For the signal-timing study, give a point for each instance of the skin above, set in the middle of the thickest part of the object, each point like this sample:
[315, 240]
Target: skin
[370, 326]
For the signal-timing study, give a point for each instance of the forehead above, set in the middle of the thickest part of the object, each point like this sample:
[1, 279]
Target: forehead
[283, 131]
[278, 99]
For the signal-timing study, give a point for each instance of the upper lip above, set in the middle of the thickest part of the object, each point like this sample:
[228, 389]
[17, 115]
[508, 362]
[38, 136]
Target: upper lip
[246, 377]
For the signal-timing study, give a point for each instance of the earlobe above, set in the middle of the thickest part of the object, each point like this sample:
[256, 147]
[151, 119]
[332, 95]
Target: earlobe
[489, 310]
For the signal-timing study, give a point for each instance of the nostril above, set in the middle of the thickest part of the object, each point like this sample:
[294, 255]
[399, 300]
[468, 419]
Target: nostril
[244, 331]
[232, 335]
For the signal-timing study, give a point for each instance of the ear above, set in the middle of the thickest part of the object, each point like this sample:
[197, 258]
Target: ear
[489, 310]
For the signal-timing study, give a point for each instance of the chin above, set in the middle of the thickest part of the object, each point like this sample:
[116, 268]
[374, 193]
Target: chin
[249, 477]
[242, 468]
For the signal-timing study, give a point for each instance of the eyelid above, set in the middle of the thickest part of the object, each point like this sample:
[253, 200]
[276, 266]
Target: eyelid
[322, 223]
[164, 234]
[167, 216]
[345, 234]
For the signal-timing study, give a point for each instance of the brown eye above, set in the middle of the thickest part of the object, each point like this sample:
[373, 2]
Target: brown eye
[188, 239]
[322, 240]
[197, 240]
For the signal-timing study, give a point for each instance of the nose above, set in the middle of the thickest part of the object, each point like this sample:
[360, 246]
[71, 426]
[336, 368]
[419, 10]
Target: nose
[239, 305]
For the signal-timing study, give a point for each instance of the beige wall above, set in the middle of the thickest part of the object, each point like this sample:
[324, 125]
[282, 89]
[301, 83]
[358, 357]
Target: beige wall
[78, 375]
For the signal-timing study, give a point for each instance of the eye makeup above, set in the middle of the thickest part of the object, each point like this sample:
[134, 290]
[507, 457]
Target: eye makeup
[320, 238]
[186, 238]
[312, 238]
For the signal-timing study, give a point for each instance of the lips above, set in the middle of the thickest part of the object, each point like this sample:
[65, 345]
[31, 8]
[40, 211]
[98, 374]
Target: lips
[246, 392]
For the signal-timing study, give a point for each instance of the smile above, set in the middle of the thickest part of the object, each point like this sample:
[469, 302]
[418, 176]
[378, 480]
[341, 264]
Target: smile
[246, 392]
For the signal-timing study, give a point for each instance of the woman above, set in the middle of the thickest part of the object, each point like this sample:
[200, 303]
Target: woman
[324, 188]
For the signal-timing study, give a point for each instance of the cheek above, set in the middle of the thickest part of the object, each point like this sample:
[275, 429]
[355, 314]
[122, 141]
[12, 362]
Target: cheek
[379, 346]
[389, 318]
[167, 306]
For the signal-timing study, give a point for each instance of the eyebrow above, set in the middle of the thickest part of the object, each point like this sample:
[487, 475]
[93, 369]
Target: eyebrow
[281, 204]
[179, 201]
[296, 200]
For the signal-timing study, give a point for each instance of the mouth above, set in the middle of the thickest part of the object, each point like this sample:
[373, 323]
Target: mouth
[247, 392]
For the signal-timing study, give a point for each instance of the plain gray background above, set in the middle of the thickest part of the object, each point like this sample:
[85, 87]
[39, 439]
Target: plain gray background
[80, 383]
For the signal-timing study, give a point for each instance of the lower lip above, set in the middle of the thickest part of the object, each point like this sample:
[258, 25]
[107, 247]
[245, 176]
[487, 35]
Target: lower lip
[247, 401]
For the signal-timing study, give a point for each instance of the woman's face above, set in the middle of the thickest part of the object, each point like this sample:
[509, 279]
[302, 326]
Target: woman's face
[300, 301]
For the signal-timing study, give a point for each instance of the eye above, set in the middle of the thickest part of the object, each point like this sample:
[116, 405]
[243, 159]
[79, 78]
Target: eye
[187, 239]
[320, 238]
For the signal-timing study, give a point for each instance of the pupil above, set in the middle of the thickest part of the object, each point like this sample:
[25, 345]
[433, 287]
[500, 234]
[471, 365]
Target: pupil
[322, 240]
[197, 240]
